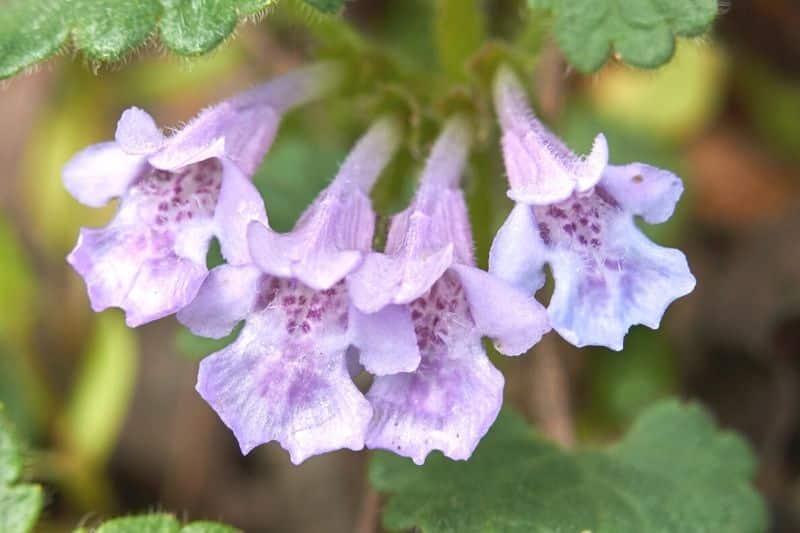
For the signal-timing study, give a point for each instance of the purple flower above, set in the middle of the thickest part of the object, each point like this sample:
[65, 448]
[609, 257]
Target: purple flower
[453, 397]
[287, 377]
[176, 194]
[577, 215]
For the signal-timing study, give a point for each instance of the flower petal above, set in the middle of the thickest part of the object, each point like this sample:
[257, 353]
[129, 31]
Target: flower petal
[108, 260]
[541, 168]
[644, 190]
[101, 172]
[531, 173]
[227, 296]
[239, 204]
[425, 239]
[239, 135]
[329, 240]
[633, 282]
[383, 279]
[309, 258]
[512, 318]
[137, 132]
[386, 340]
[517, 254]
[279, 381]
[161, 287]
[451, 399]
[153, 253]
[447, 404]
[242, 128]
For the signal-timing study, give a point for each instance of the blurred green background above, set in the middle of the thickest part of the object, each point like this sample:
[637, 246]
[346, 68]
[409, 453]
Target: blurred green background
[110, 413]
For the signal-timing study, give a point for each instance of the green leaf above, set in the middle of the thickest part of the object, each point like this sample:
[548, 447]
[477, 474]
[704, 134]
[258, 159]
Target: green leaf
[154, 523]
[10, 453]
[20, 505]
[108, 30]
[208, 527]
[294, 171]
[674, 472]
[641, 32]
[160, 523]
[326, 6]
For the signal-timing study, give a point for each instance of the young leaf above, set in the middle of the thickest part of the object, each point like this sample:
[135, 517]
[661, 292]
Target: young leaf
[107, 30]
[641, 32]
[20, 504]
[160, 523]
[674, 472]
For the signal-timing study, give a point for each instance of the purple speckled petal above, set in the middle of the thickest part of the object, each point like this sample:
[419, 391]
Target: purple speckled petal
[428, 237]
[454, 396]
[608, 275]
[316, 262]
[643, 190]
[384, 279]
[101, 172]
[286, 377]
[507, 314]
[331, 237]
[137, 132]
[447, 404]
[227, 296]
[151, 258]
[238, 205]
[386, 340]
[632, 281]
[541, 169]
[518, 254]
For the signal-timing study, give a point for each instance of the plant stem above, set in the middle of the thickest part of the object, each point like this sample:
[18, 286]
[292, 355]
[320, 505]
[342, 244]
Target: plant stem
[550, 402]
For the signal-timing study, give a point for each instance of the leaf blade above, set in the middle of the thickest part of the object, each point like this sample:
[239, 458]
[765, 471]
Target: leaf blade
[674, 472]
[641, 32]
[108, 30]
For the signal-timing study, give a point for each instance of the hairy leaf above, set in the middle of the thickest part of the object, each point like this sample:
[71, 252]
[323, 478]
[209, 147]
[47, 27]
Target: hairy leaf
[107, 30]
[160, 523]
[20, 504]
[673, 473]
[641, 32]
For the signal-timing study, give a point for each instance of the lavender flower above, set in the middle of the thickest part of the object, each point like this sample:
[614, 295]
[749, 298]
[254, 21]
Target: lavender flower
[287, 376]
[452, 399]
[177, 193]
[577, 215]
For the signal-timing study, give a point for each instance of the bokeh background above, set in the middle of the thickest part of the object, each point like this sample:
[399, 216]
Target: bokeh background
[111, 415]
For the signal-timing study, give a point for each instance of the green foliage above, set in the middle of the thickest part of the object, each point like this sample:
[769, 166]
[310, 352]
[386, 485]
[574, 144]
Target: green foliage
[674, 472]
[196, 347]
[621, 384]
[460, 31]
[295, 170]
[159, 523]
[326, 6]
[107, 30]
[20, 504]
[641, 32]
[103, 390]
